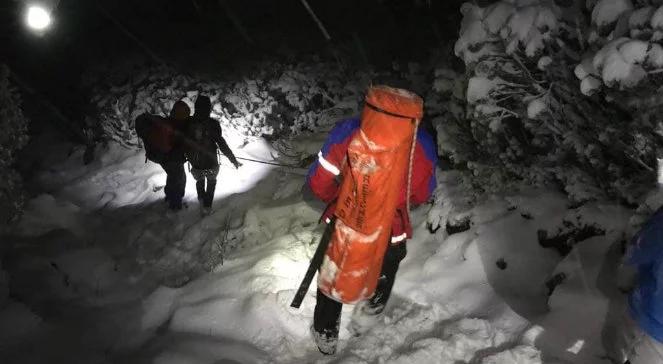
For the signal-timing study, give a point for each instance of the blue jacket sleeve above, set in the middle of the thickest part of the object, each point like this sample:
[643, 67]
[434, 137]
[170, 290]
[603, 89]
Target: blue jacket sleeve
[647, 245]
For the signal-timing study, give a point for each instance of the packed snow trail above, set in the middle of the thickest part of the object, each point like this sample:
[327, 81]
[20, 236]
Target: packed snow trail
[103, 274]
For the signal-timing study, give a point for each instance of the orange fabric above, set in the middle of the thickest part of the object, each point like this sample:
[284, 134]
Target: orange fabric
[377, 163]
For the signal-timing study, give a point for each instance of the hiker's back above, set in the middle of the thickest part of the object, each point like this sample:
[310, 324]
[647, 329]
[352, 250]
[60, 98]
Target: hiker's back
[162, 135]
[201, 146]
[157, 134]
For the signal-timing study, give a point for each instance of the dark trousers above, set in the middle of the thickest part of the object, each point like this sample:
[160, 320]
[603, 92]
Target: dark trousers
[175, 183]
[206, 193]
[327, 314]
[205, 183]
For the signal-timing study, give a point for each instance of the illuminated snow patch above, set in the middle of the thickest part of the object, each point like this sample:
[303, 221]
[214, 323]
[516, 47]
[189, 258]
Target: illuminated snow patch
[575, 349]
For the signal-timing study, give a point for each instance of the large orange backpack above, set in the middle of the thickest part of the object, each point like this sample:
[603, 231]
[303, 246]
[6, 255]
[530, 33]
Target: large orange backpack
[378, 160]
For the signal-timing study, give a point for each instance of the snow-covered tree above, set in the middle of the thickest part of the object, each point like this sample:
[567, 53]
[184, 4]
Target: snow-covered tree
[624, 47]
[623, 64]
[529, 121]
[13, 137]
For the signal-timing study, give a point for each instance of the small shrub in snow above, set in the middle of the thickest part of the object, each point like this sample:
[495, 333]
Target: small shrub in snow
[13, 137]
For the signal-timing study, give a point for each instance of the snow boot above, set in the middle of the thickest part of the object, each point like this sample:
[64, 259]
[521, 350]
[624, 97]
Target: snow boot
[205, 210]
[172, 214]
[174, 205]
[326, 344]
[363, 318]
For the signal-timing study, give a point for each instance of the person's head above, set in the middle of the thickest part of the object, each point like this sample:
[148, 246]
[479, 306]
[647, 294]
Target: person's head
[180, 110]
[203, 106]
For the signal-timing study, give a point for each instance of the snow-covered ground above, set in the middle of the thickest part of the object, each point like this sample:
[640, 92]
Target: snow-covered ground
[100, 273]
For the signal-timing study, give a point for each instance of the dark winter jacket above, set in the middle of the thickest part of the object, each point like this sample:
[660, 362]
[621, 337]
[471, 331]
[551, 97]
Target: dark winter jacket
[203, 137]
[176, 155]
[179, 115]
[322, 176]
[646, 255]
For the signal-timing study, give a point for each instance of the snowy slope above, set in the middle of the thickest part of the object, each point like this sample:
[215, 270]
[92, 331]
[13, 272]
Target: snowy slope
[104, 274]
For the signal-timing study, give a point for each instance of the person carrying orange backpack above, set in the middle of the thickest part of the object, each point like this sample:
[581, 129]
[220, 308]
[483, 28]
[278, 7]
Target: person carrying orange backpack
[368, 172]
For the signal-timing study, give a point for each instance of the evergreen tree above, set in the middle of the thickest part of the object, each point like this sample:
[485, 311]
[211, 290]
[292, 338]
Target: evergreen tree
[531, 120]
[13, 137]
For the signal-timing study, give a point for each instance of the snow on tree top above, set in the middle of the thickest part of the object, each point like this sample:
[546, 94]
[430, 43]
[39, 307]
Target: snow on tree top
[497, 16]
[657, 18]
[525, 23]
[640, 17]
[479, 88]
[655, 56]
[619, 62]
[543, 63]
[536, 107]
[585, 68]
[608, 11]
[589, 85]
[634, 51]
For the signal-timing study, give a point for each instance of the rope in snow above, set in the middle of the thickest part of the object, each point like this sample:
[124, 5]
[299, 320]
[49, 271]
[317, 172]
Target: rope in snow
[288, 167]
[266, 162]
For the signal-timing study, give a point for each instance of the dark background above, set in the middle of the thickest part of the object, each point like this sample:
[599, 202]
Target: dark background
[208, 36]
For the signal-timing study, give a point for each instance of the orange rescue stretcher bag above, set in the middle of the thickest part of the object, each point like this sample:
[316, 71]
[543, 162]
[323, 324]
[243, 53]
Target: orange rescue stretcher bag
[377, 163]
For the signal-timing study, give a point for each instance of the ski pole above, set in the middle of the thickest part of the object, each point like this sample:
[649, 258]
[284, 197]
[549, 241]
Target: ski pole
[313, 267]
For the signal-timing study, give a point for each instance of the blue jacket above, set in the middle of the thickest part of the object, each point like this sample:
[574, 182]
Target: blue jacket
[646, 255]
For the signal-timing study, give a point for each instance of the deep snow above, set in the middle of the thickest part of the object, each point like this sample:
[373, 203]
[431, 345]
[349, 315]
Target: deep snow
[101, 273]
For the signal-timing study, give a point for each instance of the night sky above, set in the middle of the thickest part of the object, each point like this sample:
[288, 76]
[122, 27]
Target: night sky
[209, 35]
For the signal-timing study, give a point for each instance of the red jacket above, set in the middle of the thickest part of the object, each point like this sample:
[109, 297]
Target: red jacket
[323, 176]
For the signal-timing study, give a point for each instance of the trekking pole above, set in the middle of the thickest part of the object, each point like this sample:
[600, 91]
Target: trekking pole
[316, 262]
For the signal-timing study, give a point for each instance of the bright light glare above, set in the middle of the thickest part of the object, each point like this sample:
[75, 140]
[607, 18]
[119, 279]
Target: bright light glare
[38, 18]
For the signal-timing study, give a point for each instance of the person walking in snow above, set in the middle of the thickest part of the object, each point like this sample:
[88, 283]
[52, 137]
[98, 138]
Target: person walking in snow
[641, 335]
[326, 180]
[203, 138]
[173, 161]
